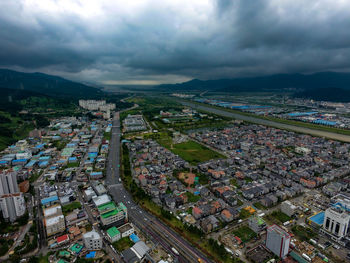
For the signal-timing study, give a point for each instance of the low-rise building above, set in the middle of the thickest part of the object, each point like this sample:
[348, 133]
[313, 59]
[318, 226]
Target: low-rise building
[288, 208]
[113, 234]
[111, 214]
[257, 224]
[126, 230]
[92, 240]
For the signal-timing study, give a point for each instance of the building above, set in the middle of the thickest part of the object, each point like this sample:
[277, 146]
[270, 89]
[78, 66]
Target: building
[12, 203]
[8, 183]
[336, 221]
[113, 234]
[54, 220]
[12, 206]
[96, 105]
[92, 240]
[111, 214]
[278, 240]
[288, 208]
[126, 230]
[257, 224]
[136, 253]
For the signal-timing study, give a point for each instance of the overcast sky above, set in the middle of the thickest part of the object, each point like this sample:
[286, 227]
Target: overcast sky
[168, 41]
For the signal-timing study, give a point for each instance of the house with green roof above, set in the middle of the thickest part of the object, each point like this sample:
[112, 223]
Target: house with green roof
[64, 253]
[110, 213]
[113, 234]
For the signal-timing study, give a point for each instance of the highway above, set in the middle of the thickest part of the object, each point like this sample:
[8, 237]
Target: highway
[156, 230]
[314, 132]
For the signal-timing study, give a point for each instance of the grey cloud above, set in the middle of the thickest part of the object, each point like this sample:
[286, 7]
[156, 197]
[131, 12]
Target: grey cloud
[242, 38]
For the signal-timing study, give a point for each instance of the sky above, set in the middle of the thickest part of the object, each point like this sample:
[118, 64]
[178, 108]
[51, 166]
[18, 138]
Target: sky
[169, 41]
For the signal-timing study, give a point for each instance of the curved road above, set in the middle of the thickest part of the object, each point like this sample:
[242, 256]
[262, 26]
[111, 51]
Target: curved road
[319, 133]
[156, 230]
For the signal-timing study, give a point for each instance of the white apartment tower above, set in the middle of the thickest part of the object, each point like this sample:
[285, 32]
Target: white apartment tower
[278, 240]
[12, 203]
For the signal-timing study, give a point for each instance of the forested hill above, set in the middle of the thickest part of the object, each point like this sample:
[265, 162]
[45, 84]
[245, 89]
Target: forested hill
[46, 84]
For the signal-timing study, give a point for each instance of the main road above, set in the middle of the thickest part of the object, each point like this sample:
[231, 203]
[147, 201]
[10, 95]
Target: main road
[154, 229]
[314, 132]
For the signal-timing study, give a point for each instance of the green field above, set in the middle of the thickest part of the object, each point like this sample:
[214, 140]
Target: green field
[190, 151]
[258, 205]
[280, 216]
[70, 207]
[303, 233]
[122, 244]
[244, 233]
[192, 198]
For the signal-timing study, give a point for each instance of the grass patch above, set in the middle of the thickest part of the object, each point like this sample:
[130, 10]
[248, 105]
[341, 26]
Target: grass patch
[72, 165]
[244, 213]
[234, 183]
[258, 205]
[280, 216]
[70, 207]
[192, 198]
[107, 136]
[304, 233]
[35, 177]
[190, 151]
[122, 244]
[244, 233]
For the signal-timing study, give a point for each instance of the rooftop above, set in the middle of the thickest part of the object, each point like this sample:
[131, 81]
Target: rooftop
[113, 231]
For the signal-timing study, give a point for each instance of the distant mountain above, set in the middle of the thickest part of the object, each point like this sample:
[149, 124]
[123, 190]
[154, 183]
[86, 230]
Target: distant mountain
[325, 94]
[279, 82]
[46, 84]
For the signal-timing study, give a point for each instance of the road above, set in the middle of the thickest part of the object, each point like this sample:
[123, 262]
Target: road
[93, 220]
[319, 133]
[157, 231]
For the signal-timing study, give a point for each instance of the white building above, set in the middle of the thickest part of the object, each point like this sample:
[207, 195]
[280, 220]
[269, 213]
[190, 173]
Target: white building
[96, 105]
[12, 206]
[12, 203]
[92, 240]
[126, 230]
[336, 221]
[54, 220]
[55, 225]
[278, 240]
[8, 183]
[101, 200]
[288, 208]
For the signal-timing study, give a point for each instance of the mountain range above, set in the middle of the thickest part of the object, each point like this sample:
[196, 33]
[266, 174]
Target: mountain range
[46, 84]
[278, 82]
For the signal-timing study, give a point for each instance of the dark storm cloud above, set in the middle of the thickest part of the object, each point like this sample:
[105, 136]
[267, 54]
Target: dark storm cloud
[106, 41]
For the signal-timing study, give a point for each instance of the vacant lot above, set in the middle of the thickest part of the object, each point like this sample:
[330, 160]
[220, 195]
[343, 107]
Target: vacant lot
[190, 151]
[280, 216]
[244, 233]
[70, 207]
[122, 244]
